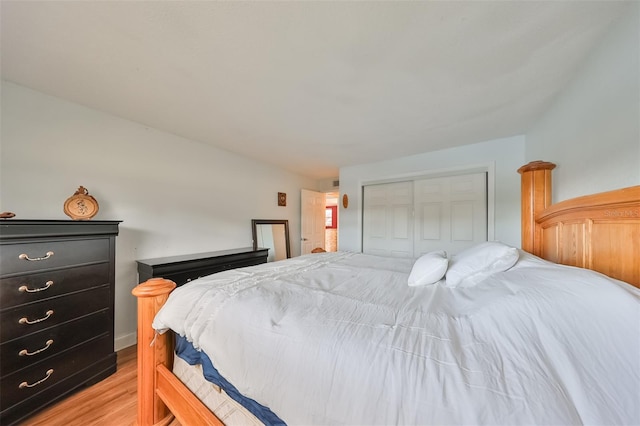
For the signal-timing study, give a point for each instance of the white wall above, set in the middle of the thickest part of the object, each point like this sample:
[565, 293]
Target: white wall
[174, 196]
[592, 132]
[504, 155]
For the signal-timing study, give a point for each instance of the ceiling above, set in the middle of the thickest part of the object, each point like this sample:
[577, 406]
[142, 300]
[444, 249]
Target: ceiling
[308, 86]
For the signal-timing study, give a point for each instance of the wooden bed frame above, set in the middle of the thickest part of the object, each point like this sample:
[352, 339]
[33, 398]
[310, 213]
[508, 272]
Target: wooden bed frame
[599, 232]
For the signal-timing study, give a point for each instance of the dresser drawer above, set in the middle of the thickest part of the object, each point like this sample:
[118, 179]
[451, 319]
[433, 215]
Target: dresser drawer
[14, 258]
[28, 350]
[26, 383]
[34, 287]
[26, 319]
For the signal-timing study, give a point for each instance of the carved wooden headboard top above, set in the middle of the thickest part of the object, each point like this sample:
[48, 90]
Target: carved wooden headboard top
[599, 231]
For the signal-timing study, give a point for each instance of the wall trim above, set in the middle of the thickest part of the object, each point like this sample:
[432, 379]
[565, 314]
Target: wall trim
[125, 341]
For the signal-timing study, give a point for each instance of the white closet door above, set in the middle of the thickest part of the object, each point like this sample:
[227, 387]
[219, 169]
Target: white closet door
[450, 213]
[388, 219]
[408, 219]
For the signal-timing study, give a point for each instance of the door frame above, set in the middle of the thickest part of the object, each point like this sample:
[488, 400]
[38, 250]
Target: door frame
[488, 168]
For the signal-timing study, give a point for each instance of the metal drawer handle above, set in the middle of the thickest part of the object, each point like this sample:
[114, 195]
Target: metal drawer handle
[24, 256]
[24, 320]
[24, 288]
[27, 385]
[25, 352]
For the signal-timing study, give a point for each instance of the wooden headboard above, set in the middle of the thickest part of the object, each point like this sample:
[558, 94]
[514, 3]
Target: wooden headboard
[599, 231]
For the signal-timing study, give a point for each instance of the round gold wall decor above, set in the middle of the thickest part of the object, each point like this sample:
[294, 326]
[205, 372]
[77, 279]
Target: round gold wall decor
[81, 205]
[345, 201]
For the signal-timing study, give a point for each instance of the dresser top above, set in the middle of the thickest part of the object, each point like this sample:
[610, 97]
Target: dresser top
[25, 228]
[202, 256]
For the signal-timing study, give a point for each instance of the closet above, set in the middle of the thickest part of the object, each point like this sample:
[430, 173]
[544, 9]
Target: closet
[412, 217]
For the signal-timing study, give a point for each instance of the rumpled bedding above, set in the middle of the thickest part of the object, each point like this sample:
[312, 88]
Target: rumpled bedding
[341, 339]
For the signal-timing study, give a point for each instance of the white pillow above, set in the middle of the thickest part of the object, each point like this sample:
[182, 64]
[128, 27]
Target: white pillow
[428, 269]
[474, 264]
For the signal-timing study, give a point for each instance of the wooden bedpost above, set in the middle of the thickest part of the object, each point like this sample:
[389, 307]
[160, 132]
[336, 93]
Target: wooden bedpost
[535, 197]
[151, 296]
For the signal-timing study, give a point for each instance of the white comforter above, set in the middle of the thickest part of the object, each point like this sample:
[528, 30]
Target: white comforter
[340, 338]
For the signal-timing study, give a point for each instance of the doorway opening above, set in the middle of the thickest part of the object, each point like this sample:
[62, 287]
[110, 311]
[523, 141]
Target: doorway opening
[331, 222]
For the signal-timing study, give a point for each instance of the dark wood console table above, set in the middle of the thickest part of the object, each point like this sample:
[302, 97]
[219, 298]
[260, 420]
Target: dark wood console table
[184, 268]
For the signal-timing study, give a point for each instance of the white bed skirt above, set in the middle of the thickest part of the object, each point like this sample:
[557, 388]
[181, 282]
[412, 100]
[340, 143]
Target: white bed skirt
[230, 412]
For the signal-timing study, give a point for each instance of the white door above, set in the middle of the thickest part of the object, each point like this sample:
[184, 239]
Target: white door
[312, 220]
[450, 213]
[387, 219]
[407, 219]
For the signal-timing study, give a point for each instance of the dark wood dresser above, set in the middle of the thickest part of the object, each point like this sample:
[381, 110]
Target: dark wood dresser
[56, 306]
[182, 269]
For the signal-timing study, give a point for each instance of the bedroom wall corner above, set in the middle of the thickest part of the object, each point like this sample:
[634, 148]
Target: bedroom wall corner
[592, 131]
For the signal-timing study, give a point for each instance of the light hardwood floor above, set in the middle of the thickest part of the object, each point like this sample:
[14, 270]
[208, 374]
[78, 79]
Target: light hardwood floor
[111, 402]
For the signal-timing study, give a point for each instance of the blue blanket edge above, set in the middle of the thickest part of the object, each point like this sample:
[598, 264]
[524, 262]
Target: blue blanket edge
[186, 351]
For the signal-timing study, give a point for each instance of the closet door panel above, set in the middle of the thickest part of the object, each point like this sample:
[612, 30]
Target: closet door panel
[430, 226]
[463, 212]
[462, 221]
[408, 219]
[388, 219]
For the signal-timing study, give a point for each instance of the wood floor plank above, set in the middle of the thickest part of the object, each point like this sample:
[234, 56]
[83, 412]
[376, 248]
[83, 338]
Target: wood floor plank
[111, 402]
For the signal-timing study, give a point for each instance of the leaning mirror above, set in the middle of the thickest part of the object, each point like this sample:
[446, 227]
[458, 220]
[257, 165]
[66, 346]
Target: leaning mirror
[274, 235]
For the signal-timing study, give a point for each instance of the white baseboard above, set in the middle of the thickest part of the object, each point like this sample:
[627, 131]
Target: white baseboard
[125, 341]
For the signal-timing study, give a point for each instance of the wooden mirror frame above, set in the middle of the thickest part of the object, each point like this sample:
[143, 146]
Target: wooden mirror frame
[254, 231]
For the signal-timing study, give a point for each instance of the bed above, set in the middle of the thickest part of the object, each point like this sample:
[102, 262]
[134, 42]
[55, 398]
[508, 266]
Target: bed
[473, 329]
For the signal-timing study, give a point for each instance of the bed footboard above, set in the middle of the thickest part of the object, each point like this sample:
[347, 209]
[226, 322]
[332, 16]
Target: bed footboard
[151, 295]
[161, 396]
